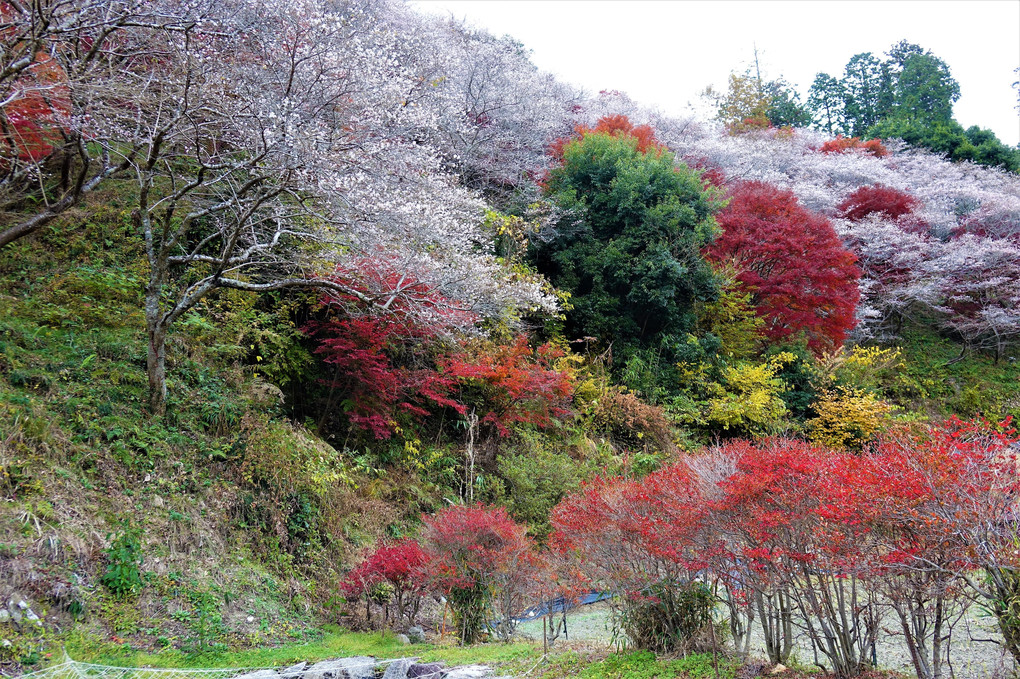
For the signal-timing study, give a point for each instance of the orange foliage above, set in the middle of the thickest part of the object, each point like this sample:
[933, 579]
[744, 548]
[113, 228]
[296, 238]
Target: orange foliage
[843, 144]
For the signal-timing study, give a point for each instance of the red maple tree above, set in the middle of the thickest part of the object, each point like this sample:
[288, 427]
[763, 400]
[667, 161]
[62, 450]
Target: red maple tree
[801, 277]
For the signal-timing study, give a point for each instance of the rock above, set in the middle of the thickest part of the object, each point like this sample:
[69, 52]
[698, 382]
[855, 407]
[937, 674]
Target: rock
[779, 669]
[416, 634]
[16, 616]
[429, 670]
[327, 669]
[6, 643]
[398, 668]
[359, 667]
[23, 605]
[294, 671]
[250, 618]
[5, 615]
[468, 672]
[258, 674]
[404, 639]
[157, 501]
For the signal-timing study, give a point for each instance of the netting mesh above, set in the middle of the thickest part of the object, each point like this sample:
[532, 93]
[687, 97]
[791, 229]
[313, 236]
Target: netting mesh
[72, 669]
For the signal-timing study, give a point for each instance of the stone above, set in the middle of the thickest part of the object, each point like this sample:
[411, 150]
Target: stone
[258, 674]
[16, 616]
[6, 643]
[294, 671]
[404, 639]
[429, 670]
[416, 634]
[327, 669]
[779, 669]
[398, 669]
[468, 672]
[359, 667]
[5, 615]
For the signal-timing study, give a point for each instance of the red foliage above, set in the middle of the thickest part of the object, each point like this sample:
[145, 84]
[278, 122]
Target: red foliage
[616, 125]
[876, 199]
[507, 384]
[400, 563]
[473, 546]
[38, 100]
[843, 144]
[801, 276]
[386, 280]
[785, 516]
[38, 110]
[374, 387]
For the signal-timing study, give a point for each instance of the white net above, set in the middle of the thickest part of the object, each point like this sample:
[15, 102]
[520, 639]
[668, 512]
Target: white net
[359, 667]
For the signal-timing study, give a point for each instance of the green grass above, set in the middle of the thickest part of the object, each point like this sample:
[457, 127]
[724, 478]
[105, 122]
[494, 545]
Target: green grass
[334, 643]
[934, 377]
[639, 665]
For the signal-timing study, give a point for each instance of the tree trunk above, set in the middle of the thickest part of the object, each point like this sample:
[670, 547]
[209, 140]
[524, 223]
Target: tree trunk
[156, 356]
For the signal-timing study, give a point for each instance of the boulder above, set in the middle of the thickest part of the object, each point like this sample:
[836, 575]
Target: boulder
[398, 669]
[404, 639]
[358, 667]
[294, 671]
[428, 670]
[327, 669]
[416, 634]
[258, 674]
[5, 616]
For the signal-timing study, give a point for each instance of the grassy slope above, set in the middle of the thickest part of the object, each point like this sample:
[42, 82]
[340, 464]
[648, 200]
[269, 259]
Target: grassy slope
[81, 461]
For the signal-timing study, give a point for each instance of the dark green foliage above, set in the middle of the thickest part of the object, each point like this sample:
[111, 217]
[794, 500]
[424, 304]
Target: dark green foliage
[628, 244]
[470, 607]
[908, 96]
[537, 477]
[798, 376]
[123, 575]
[671, 616]
[925, 90]
[949, 138]
[786, 109]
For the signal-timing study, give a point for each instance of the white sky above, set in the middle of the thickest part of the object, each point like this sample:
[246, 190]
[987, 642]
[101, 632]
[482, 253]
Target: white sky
[664, 53]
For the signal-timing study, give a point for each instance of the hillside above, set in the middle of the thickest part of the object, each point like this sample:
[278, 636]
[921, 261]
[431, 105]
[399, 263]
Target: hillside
[320, 325]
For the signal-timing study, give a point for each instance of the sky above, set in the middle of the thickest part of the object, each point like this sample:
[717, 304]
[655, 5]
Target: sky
[664, 53]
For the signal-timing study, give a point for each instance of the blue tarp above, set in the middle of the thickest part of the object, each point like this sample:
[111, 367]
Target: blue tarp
[561, 605]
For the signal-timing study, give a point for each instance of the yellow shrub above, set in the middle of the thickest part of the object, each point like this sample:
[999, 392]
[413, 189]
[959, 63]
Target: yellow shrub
[848, 417]
[752, 400]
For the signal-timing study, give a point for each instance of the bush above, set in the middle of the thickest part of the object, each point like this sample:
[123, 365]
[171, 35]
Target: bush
[123, 574]
[670, 617]
[483, 562]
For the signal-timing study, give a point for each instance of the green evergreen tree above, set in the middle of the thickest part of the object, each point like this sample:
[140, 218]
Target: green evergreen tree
[628, 244]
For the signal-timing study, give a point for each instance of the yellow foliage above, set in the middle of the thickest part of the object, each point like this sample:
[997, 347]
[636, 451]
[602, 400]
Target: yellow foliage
[287, 459]
[862, 367]
[732, 318]
[751, 400]
[848, 417]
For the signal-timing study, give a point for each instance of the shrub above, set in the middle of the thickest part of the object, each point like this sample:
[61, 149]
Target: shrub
[124, 559]
[395, 572]
[877, 199]
[670, 617]
[848, 417]
[843, 144]
[800, 276]
[483, 562]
